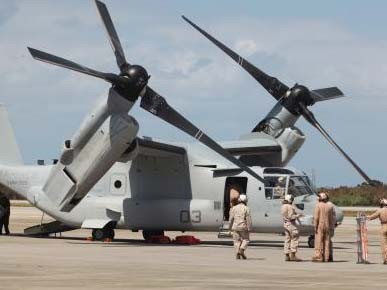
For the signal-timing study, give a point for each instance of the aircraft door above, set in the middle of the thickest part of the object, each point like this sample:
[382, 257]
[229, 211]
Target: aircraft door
[118, 184]
[232, 186]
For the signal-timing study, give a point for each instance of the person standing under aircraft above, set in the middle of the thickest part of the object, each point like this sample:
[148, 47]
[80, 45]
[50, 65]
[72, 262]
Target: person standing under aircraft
[5, 211]
[240, 225]
[290, 216]
[324, 225]
[382, 215]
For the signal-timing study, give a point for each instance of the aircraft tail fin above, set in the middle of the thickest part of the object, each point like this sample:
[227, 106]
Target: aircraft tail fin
[9, 149]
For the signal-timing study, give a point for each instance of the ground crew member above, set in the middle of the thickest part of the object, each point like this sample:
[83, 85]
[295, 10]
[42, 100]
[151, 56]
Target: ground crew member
[324, 225]
[382, 215]
[234, 194]
[5, 212]
[240, 225]
[290, 216]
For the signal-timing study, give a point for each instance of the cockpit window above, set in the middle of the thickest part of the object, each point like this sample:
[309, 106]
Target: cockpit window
[298, 186]
[276, 186]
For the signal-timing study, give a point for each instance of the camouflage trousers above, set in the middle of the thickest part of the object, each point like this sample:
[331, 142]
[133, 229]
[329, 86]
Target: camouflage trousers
[291, 238]
[383, 233]
[323, 247]
[241, 240]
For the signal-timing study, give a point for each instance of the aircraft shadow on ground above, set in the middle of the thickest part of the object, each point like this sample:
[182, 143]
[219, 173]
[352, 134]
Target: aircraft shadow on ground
[140, 242]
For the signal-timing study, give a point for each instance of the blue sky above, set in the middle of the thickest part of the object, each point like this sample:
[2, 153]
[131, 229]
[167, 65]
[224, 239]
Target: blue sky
[317, 43]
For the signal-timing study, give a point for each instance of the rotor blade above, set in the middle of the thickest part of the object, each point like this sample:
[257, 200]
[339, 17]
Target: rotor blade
[157, 105]
[326, 94]
[56, 60]
[275, 87]
[112, 34]
[309, 116]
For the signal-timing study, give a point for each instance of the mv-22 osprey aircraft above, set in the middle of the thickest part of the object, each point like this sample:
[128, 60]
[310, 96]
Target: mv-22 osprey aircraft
[107, 177]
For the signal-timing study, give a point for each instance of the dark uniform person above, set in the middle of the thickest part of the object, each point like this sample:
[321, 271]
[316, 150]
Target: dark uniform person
[324, 225]
[382, 215]
[240, 225]
[292, 235]
[5, 211]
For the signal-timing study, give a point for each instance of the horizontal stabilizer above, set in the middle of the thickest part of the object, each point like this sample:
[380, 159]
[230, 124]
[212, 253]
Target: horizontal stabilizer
[326, 94]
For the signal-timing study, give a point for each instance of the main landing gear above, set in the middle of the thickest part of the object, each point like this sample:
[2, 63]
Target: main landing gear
[147, 234]
[105, 233]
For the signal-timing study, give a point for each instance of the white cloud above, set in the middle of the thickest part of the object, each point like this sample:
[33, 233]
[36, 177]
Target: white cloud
[246, 47]
[195, 76]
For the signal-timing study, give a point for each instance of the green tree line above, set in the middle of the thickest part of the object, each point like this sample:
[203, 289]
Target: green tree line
[360, 195]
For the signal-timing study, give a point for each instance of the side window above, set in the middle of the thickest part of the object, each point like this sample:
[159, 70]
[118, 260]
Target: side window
[275, 186]
[118, 184]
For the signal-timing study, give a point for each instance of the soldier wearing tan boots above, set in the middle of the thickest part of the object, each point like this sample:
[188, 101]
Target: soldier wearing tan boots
[324, 225]
[382, 215]
[240, 225]
[290, 217]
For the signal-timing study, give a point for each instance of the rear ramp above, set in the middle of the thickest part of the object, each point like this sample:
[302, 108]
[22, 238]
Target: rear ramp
[48, 228]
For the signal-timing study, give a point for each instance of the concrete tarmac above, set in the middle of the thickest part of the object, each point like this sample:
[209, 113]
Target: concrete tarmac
[71, 262]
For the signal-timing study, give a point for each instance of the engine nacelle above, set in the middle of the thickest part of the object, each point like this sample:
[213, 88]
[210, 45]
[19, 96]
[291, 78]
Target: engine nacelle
[290, 141]
[70, 182]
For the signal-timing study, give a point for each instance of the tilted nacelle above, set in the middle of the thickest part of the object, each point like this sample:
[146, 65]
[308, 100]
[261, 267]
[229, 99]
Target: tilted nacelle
[279, 124]
[101, 140]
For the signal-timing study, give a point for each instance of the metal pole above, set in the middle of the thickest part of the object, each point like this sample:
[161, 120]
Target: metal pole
[362, 238]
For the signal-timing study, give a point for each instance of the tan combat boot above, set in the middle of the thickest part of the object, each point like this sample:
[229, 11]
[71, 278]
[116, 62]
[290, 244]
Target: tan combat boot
[242, 253]
[293, 258]
[287, 258]
[317, 259]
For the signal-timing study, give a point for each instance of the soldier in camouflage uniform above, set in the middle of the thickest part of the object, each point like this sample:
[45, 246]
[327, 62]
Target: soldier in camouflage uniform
[382, 215]
[240, 225]
[290, 216]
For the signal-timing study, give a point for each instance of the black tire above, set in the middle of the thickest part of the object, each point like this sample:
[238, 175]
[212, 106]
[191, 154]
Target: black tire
[311, 241]
[98, 234]
[147, 234]
[109, 233]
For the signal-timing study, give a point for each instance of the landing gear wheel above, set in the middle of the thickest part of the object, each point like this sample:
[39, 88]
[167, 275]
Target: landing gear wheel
[147, 234]
[109, 233]
[98, 234]
[311, 241]
[101, 234]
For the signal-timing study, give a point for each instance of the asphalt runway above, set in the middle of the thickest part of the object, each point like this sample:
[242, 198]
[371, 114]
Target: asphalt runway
[72, 262]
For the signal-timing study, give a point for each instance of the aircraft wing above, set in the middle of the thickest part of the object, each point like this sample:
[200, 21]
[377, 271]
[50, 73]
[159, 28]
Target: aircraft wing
[256, 151]
[148, 146]
[252, 151]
